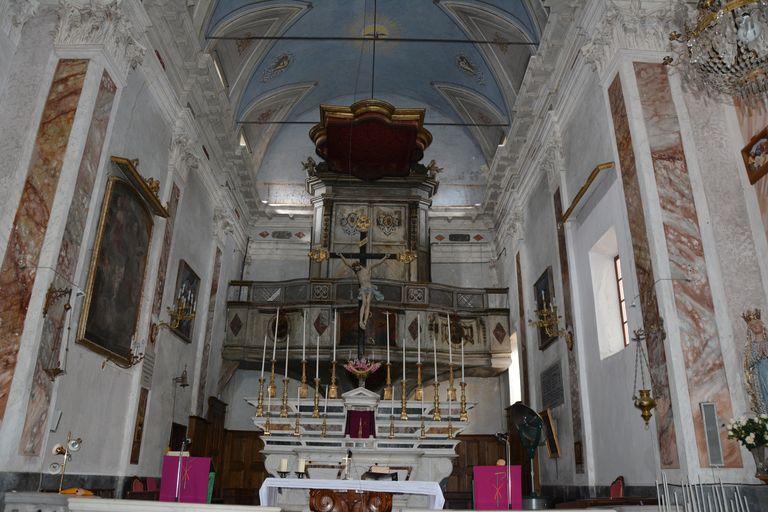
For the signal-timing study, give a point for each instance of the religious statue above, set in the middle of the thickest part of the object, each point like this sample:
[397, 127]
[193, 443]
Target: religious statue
[756, 361]
[433, 170]
[367, 288]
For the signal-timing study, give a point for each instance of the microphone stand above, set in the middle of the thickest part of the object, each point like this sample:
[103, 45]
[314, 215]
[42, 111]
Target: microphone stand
[504, 438]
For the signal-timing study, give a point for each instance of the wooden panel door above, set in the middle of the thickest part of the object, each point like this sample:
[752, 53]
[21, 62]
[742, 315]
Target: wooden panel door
[243, 467]
[473, 450]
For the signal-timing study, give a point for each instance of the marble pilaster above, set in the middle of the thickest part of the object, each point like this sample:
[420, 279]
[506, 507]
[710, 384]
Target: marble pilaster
[657, 359]
[19, 267]
[200, 409]
[703, 359]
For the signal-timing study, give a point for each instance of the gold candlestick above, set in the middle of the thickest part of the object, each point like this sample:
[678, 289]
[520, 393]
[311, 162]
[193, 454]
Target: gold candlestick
[267, 427]
[391, 426]
[436, 411]
[333, 390]
[451, 387]
[388, 384]
[463, 415]
[316, 409]
[404, 402]
[272, 390]
[260, 405]
[419, 388]
[422, 428]
[324, 429]
[297, 425]
[450, 427]
[303, 388]
[284, 404]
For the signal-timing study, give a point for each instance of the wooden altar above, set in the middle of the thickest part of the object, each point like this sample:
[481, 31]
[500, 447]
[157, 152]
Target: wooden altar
[328, 500]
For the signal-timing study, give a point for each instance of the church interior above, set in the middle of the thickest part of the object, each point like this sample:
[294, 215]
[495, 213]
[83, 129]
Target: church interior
[383, 255]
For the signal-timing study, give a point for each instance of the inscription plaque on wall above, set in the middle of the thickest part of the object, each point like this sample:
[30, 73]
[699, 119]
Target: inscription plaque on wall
[552, 393]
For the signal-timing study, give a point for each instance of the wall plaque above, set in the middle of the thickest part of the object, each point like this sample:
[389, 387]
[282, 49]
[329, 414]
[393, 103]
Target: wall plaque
[552, 393]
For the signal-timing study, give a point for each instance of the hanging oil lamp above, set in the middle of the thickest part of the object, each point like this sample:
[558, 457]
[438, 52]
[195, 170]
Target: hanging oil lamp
[642, 397]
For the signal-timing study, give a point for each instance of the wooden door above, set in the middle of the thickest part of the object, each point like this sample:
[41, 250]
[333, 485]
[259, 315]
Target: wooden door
[242, 467]
[473, 450]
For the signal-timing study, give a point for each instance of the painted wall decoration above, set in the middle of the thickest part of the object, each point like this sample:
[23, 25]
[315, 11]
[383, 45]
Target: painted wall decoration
[755, 156]
[187, 287]
[544, 291]
[138, 427]
[279, 64]
[116, 275]
[465, 64]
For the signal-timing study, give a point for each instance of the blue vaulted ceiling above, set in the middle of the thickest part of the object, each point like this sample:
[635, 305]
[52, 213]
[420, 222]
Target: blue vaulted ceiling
[286, 80]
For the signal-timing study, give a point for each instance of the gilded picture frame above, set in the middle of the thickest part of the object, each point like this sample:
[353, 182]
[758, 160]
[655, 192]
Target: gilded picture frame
[544, 292]
[550, 434]
[113, 291]
[755, 156]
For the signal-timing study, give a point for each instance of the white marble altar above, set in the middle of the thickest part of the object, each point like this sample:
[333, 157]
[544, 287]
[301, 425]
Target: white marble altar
[99, 505]
[268, 494]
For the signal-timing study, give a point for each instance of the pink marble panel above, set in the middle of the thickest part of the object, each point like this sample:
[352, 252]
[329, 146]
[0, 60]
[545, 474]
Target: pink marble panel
[752, 120]
[18, 270]
[208, 332]
[693, 297]
[57, 318]
[657, 359]
[162, 267]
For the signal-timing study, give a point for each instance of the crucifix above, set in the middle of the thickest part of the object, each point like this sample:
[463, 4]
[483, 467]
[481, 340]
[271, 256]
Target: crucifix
[362, 270]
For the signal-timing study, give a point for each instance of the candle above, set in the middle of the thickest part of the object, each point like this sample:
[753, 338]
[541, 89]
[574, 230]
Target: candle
[462, 360]
[274, 345]
[263, 355]
[283, 465]
[403, 358]
[302, 466]
[317, 359]
[287, 343]
[304, 336]
[335, 324]
[387, 313]
[418, 339]
[450, 350]
[325, 406]
[434, 347]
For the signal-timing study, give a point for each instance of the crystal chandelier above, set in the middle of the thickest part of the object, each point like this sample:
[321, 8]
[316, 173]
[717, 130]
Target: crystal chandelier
[726, 50]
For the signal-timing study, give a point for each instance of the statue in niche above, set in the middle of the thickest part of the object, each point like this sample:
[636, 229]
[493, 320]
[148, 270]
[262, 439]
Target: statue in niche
[368, 290]
[756, 361]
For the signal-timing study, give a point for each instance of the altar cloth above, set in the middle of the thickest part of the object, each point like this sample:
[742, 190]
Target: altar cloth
[268, 491]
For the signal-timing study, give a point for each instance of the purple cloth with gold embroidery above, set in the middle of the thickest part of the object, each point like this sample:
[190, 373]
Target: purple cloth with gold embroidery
[194, 479]
[360, 424]
[490, 487]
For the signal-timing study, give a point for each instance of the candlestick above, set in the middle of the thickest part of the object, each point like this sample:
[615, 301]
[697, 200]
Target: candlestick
[391, 414]
[463, 415]
[403, 402]
[422, 427]
[303, 387]
[260, 405]
[272, 389]
[316, 408]
[297, 425]
[284, 404]
[269, 413]
[325, 406]
[333, 390]
[388, 383]
[317, 358]
[436, 404]
[287, 344]
[451, 387]
[418, 338]
[419, 389]
[324, 429]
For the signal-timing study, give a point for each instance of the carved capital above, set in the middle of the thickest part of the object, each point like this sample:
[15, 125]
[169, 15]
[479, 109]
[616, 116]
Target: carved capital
[183, 157]
[552, 162]
[103, 24]
[223, 224]
[15, 15]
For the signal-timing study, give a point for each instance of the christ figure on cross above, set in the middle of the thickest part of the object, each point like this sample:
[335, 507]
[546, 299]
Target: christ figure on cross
[368, 290]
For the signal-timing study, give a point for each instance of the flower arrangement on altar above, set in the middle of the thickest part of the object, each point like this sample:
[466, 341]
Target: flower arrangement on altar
[751, 432]
[362, 368]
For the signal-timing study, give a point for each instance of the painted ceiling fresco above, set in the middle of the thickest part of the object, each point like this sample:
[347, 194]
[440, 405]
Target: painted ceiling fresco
[287, 79]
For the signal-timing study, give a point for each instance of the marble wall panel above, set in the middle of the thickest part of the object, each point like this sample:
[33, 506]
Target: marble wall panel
[521, 337]
[573, 364]
[173, 203]
[18, 270]
[693, 297]
[208, 333]
[657, 359]
[54, 322]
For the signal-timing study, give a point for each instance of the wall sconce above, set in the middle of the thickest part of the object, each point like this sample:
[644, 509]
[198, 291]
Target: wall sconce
[548, 319]
[182, 381]
[183, 309]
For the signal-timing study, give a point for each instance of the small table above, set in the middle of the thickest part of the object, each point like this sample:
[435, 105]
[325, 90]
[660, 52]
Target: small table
[268, 491]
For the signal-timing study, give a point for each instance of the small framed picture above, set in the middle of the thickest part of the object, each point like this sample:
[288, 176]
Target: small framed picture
[187, 285]
[755, 155]
[550, 434]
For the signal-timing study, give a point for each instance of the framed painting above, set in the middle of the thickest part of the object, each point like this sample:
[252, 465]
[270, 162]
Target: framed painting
[755, 155]
[544, 293]
[187, 286]
[550, 434]
[116, 275]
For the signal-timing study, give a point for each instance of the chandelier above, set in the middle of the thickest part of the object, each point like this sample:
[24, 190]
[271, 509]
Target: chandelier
[727, 48]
